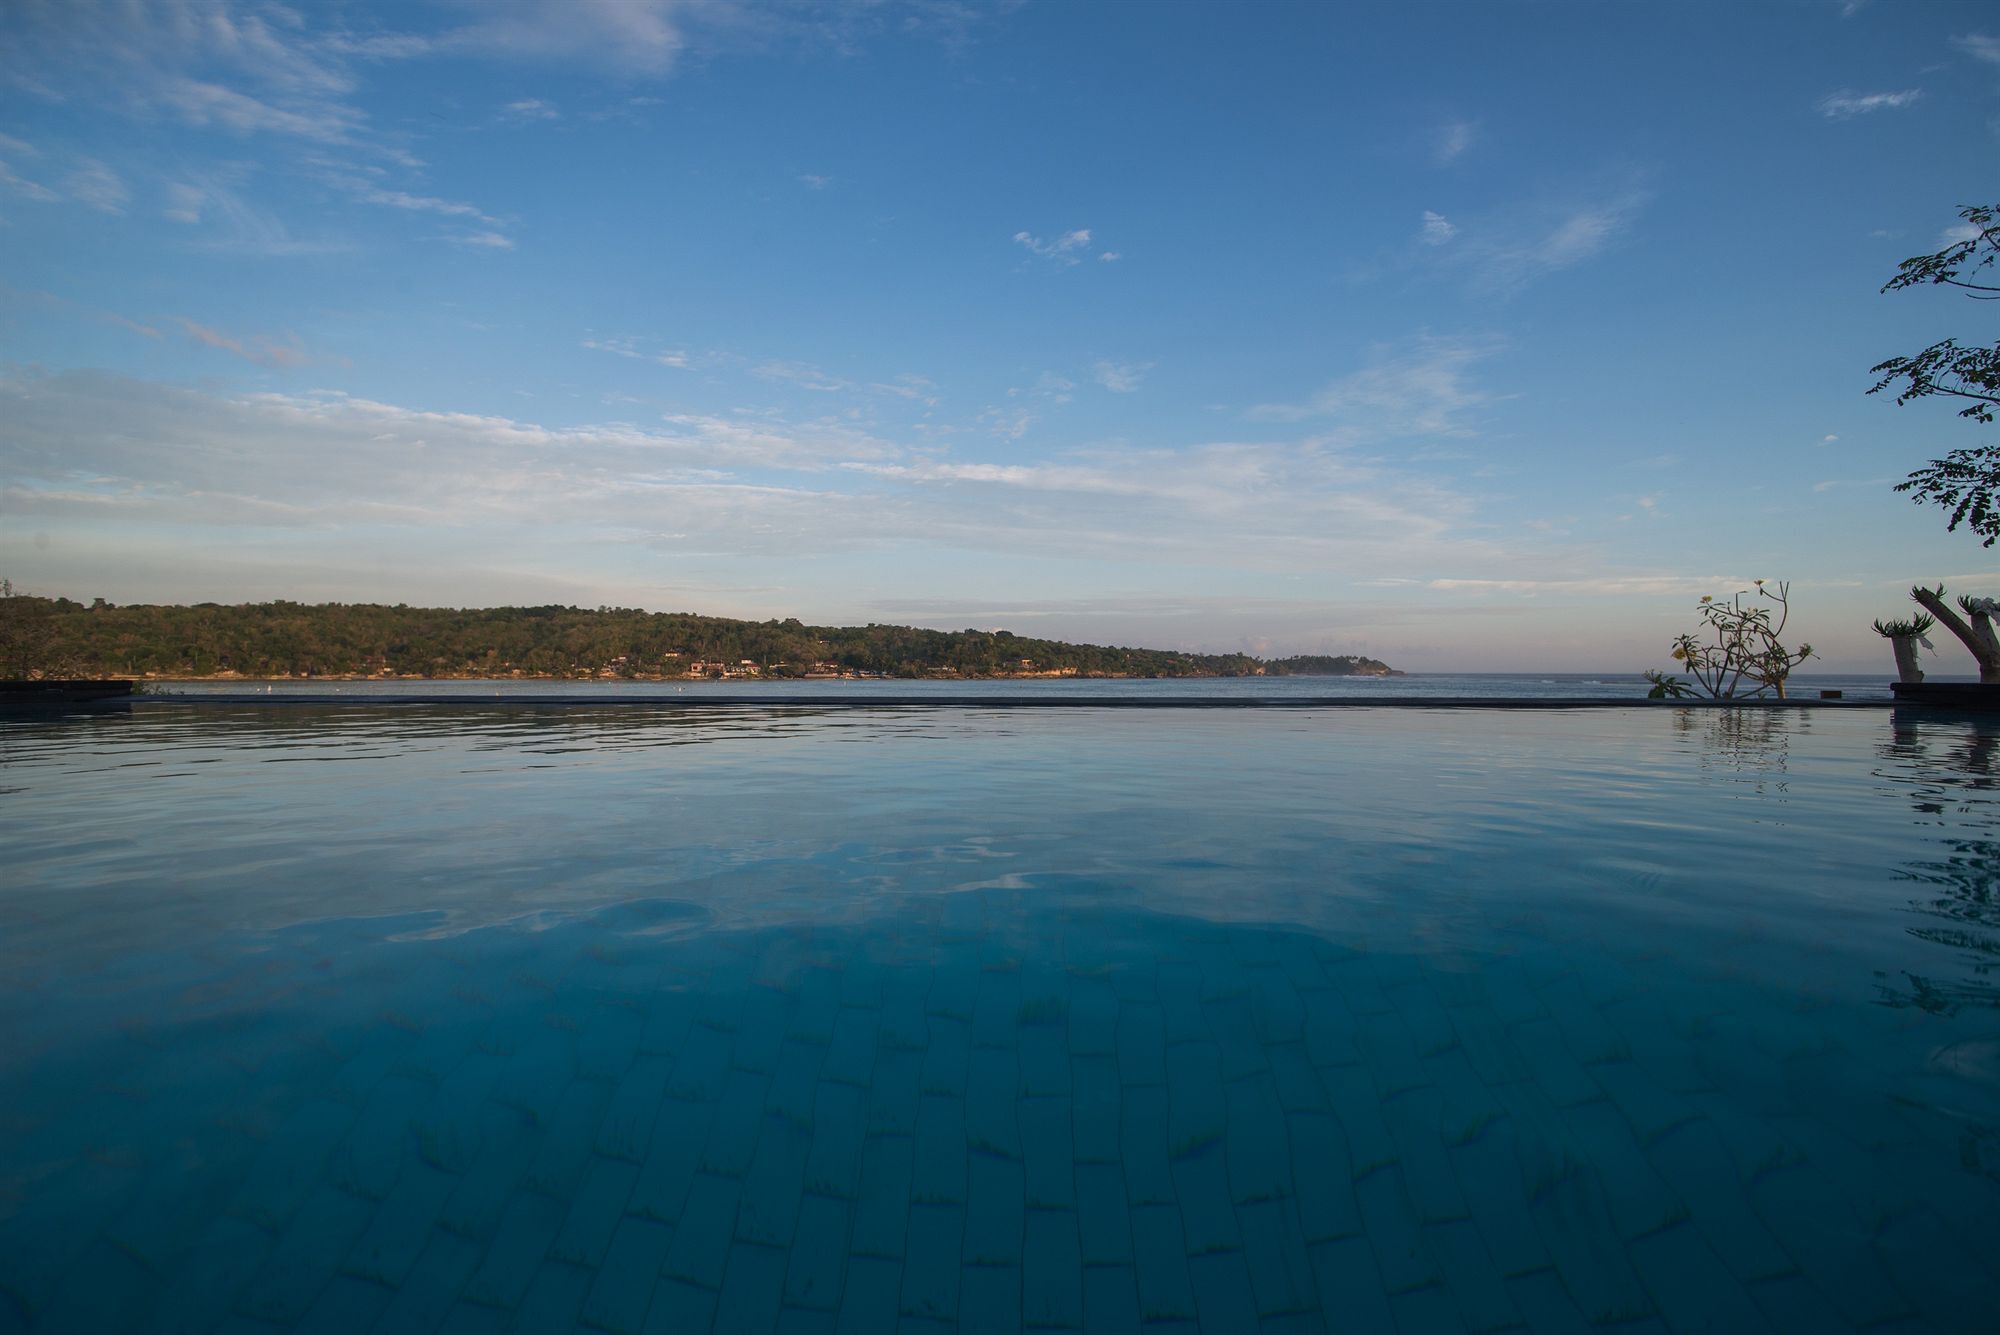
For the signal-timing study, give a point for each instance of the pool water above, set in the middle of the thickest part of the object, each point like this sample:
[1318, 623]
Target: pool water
[633, 1019]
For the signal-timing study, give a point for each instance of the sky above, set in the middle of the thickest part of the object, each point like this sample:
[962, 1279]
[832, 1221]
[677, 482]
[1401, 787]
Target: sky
[1467, 336]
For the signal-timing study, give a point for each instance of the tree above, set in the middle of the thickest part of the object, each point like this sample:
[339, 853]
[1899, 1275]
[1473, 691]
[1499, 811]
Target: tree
[1965, 483]
[30, 646]
[1741, 650]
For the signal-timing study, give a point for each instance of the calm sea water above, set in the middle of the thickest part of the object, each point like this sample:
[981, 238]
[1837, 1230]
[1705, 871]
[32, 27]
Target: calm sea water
[503, 1018]
[1445, 685]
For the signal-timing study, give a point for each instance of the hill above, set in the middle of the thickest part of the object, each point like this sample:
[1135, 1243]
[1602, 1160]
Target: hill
[286, 639]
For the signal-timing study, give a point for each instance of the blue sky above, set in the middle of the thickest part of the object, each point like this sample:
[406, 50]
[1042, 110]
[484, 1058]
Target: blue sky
[1468, 336]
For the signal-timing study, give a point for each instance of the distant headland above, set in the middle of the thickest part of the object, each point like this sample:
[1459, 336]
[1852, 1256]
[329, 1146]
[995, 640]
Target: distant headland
[368, 640]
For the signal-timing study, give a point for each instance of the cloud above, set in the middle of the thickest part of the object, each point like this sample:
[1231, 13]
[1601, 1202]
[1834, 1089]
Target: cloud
[482, 240]
[802, 375]
[263, 351]
[1068, 248]
[1110, 257]
[1605, 585]
[532, 109]
[96, 185]
[812, 182]
[1436, 229]
[1121, 378]
[1420, 388]
[1979, 46]
[27, 189]
[1503, 252]
[184, 203]
[630, 348]
[1845, 105]
[19, 148]
[1451, 141]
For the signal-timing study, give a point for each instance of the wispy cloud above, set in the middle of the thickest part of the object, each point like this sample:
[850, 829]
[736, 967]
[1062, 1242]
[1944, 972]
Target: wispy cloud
[25, 188]
[1845, 105]
[813, 182]
[634, 350]
[1069, 248]
[1979, 46]
[96, 185]
[1421, 388]
[1451, 141]
[1436, 230]
[802, 375]
[1121, 377]
[1506, 250]
[481, 240]
[263, 351]
[532, 109]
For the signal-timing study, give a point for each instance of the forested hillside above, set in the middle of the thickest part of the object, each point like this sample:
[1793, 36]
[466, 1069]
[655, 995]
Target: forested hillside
[285, 639]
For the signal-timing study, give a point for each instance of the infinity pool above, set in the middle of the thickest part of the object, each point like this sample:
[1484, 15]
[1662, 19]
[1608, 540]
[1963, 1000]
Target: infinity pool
[790, 1020]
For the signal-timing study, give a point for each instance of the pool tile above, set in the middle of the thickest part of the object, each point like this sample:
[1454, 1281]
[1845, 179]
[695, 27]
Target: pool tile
[931, 1262]
[752, 1290]
[818, 1264]
[625, 1282]
[996, 1211]
[1051, 1271]
[989, 1299]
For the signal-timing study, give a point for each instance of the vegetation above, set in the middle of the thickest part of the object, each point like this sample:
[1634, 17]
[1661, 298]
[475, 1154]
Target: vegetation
[1965, 483]
[1904, 636]
[286, 639]
[1739, 650]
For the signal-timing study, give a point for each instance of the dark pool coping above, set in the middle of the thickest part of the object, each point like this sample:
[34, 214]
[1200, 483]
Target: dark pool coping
[240, 699]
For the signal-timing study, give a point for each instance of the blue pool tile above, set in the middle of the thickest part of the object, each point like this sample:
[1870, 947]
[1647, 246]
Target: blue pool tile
[1275, 1255]
[595, 1211]
[345, 1305]
[423, 1301]
[625, 1282]
[1103, 1215]
[989, 1299]
[1110, 1300]
[307, 1255]
[1166, 1295]
[818, 1264]
[387, 1250]
[1223, 1297]
[940, 1149]
[871, 1297]
[680, 1133]
[931, 1262]
[996, 1211]
[553, 1298]
[1322, 1177]
[882, 1206]
[700, 1249]
[1478, 1290]
[893, 1090]
[752, 1290]
[1048, 1151]
[1349, 1285]
[1051, 1271]
[775, 1183]
[1142, 1045]
[1095, 1107]
[520, 1244]
[568, 1145]
[679, 1307]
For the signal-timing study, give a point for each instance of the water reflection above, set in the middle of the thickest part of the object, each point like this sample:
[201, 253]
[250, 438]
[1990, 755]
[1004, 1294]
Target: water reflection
[1947, 767]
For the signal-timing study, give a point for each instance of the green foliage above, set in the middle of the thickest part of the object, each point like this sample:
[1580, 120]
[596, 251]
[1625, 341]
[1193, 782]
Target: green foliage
[1666, 687]
[1739, 649]
[287, 639]
[1918, 625]
[1965, 482]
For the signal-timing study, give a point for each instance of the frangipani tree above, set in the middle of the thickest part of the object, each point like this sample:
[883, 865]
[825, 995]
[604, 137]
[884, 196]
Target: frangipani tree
[1739, 652]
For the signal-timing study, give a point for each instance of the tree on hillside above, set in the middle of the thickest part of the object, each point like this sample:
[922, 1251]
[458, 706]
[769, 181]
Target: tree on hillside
[1965, 483]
